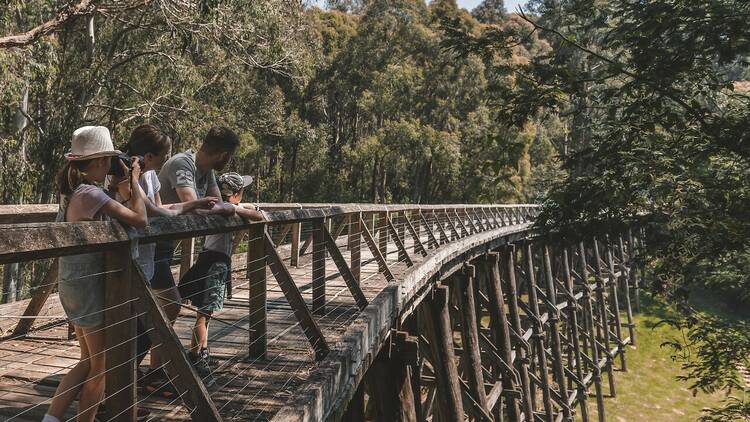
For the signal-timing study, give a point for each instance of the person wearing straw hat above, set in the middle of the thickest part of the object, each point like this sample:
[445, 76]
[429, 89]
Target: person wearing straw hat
[81, 277]
[204, 285]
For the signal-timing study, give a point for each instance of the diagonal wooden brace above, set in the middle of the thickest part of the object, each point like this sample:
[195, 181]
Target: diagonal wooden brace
[376, 252]
[431, 239]
[343, 268]
[414, 235]
[294, 297]
[190, 383]
[399, 243]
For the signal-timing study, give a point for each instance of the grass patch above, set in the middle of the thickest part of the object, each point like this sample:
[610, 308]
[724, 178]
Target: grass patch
[649, 391]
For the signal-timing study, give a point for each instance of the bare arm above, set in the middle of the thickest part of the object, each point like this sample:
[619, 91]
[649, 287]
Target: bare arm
[157, 209]
[250, 213]
[135, 213]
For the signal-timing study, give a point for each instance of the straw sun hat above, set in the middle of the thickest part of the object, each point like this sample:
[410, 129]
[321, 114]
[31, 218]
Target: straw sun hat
[91, 142]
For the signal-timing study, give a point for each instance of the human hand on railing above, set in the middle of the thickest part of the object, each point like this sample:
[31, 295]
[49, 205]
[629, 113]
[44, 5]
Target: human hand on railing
[199, 204]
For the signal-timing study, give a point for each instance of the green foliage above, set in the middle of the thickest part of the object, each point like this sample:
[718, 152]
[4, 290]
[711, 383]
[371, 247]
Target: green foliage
[355, 103]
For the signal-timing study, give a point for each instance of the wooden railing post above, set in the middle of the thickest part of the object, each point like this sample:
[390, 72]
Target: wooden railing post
[120, 336]
[257, 291]
[414, 217]
[398, 221]
[318, 268]
[294, 249]
[383, 233]
[355, 243]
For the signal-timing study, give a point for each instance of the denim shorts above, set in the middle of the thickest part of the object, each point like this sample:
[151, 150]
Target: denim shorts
[81, 289]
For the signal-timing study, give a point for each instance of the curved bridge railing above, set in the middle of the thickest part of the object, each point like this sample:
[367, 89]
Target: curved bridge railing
[451, 311]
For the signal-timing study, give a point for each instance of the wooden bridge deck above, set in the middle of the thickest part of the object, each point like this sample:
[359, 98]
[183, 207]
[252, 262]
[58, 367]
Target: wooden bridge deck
[245, 389]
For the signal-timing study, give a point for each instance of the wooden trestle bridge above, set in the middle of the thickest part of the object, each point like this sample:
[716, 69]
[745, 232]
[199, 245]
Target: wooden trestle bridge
[342, 311]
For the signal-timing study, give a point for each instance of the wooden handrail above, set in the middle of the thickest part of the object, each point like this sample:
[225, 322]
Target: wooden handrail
[28, 241]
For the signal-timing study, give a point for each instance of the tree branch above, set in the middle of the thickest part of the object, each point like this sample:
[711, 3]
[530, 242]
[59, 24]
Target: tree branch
[68, 13]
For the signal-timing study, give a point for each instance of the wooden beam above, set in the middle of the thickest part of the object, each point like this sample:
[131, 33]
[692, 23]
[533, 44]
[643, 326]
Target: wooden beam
[400, 245]
[470, 337]
[355, 237]
[190, 386]
[440, 337]
[119, 337]
[294, 297]
[441, 229]
[499, 326]
[574, 334]
[554, 333]
[285, 229]
[294, 250]
[588, 313]
[452, 226]
[461, 224]
[382, 264]
[389, 381]
[431, 239]
[38, 299]
[343, 268]
[257, 291]
[515, 319]
[318, 268]
[418, 245]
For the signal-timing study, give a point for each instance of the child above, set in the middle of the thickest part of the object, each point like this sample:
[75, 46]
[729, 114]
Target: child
[204, 284]
[81, 277]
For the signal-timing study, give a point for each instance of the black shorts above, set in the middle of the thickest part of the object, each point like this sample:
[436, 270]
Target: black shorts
[163, 257]
[204, 284]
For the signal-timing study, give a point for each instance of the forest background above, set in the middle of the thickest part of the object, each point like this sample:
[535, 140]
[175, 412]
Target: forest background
[603, 111]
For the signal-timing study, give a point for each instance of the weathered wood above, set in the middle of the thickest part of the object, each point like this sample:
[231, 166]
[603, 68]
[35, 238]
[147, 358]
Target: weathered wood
[574, 334]
[553, 327]
[500, 328]
[469, 334]
[389, 381]
[355, 411]
[383, 233]
[403, 255]
[588, 313]
[294, 250]
[625, 280]
[452, 226]
[440, 336]
[119, 337]
[382, 264]
[187, 381]
[257, 291]
[601, 304]
[400, 225]
[440, 228]
[464, 231]
[38, 299]
[418, 246]
[522, 363]
[538, 337]
[318, 268]
[431, 239]
[613, 282]
[281, 235]
[355, 237]
[294, 297]
[341, 265]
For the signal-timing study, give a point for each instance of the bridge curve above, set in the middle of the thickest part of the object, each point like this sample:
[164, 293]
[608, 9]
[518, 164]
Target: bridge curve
[306, 350]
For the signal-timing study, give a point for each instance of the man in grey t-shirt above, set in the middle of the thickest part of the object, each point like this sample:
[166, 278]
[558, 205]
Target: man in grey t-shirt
[186, 177]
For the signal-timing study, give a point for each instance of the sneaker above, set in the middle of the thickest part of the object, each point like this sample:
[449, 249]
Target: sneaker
[161, 387]
[200, 364]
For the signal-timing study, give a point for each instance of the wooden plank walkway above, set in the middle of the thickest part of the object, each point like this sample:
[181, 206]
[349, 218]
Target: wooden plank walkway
[244, 389]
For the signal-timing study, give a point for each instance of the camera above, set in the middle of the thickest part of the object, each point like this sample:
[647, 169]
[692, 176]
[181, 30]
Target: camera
[116, 170]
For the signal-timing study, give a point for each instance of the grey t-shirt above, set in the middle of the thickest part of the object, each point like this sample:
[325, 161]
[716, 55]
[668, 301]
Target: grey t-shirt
[180, 171]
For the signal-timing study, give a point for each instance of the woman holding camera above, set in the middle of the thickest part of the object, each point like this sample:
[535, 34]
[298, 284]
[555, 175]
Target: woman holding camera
[81, 277]
[153, 147]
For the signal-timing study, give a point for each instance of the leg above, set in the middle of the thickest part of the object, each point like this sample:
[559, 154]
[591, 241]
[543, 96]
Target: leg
[200, 332]
[92, 391]
[71, 383]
